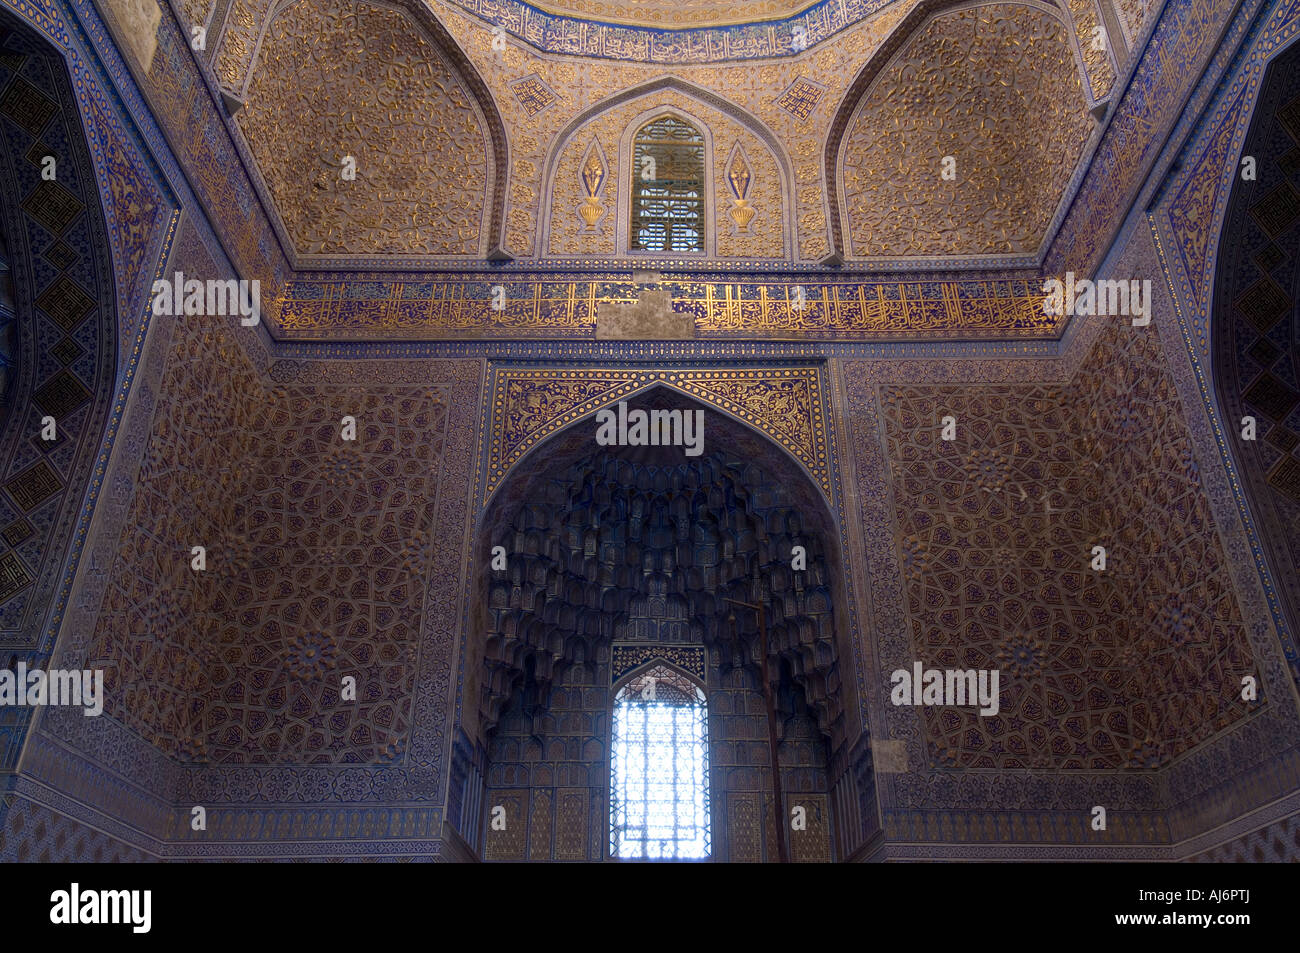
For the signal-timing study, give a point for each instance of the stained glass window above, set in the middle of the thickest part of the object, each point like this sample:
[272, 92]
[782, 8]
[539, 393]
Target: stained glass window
[668, 187]
[660, 769]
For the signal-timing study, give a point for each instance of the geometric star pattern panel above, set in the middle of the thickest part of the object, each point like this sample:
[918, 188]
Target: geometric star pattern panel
[1126, 668]
[314, 560]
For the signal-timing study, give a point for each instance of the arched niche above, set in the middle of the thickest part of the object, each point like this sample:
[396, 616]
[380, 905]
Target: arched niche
[385, 85]
[62, 322]
[595, 589]
[1254, 333]
[997, 87]
[606, 130]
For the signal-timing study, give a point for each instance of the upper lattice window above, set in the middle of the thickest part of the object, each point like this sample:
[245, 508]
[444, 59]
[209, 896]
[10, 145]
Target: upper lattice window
[659, 766]
[668, 187]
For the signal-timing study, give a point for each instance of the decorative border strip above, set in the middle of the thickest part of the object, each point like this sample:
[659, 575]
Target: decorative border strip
[1205, 391]
[628, 657]
[458, 306]
[576, 36]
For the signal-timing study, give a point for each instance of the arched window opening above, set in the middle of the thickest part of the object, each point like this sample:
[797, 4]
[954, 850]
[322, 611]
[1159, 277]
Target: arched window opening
[668, 187]
[659, 768]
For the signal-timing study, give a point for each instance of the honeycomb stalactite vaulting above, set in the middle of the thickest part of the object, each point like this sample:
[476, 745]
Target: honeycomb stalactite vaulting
[960, 90]
[623, 559]
[622, 551]
[369, 140]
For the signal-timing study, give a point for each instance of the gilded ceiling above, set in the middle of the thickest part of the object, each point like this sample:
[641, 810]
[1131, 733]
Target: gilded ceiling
[962, 144]
[420, 102]
[367, 138]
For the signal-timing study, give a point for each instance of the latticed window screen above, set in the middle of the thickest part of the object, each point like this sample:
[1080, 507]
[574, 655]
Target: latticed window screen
[668, 187]
[659, 764]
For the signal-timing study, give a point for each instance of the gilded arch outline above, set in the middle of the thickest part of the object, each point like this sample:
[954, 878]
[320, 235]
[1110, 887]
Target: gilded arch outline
[751, 123]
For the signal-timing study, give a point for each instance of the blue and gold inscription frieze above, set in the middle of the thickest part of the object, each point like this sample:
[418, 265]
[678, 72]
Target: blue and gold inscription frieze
[462, 306]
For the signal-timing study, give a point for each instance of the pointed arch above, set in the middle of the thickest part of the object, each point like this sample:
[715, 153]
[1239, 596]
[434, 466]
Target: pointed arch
[1251, 291]
[754, 126]
[75, 271]
[539, 652]
[504, 465]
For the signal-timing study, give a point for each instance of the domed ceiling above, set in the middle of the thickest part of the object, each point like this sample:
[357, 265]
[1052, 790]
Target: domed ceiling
[683, 13]
[416, 132]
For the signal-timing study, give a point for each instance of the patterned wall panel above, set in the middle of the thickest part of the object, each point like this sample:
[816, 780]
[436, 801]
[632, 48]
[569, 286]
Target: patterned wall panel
[1126, 668]
[1277, 843]
[507, 841]
[1135, 17]
[33, 833]
[312, 560]
[740, 762]
[557, 748]
[1184, 619]
[994, 535]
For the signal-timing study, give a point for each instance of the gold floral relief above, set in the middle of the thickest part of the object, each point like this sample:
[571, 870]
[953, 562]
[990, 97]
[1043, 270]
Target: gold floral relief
[531, 404]
[1134, 14]
[368, 142]
[235, 55]
[996, 89]
[592, 177]
[582, 83]
[195, 12]
[763, 232]
[579, 186]
[1093, 46]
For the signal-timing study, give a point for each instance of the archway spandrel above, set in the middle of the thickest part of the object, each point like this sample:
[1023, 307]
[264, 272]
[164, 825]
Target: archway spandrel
[531, 404]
